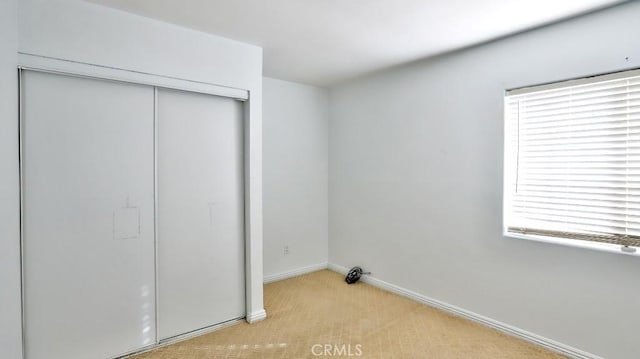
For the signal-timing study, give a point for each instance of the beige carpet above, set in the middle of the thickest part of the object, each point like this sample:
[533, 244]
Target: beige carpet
[319, 316]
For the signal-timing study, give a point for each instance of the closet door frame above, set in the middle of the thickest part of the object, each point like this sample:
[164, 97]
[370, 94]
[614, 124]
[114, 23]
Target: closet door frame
[252, 174]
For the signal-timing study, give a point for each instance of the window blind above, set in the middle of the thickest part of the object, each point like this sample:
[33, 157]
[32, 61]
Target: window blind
[572, 160]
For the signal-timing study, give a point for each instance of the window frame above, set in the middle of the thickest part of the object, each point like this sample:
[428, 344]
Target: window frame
[508, 167]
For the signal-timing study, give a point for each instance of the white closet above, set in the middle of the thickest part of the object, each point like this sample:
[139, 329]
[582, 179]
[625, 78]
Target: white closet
[88, 217]
[200, 211]
[91, 256]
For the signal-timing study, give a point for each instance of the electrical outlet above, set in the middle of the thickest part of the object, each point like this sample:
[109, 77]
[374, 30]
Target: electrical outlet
[286, 250]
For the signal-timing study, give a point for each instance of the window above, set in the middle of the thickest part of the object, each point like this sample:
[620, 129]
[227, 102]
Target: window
[572, 161]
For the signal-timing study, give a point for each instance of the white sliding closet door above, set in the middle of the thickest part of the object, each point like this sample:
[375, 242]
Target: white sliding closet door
[200, 211]
[88, 230]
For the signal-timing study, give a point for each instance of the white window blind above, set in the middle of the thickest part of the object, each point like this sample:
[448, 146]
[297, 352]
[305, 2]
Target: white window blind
[572, 160]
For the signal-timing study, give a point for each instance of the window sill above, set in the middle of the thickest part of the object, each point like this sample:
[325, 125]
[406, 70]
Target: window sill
[603, 247]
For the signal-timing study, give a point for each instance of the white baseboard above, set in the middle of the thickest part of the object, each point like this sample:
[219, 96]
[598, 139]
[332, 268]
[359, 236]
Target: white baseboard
[294, 272]
[505, 328]
[256, 316]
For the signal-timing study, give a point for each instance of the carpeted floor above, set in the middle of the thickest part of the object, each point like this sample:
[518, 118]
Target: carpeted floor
[319, 316]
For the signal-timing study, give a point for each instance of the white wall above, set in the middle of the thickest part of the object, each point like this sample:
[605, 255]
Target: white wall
[10, 332]
[295, 120]
[415, 186]
[84, 32]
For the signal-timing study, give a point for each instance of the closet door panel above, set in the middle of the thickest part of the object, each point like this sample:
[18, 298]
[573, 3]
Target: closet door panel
[200, 211]
[88, 225]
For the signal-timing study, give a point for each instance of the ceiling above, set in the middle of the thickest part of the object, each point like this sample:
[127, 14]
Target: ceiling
[325, 42]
